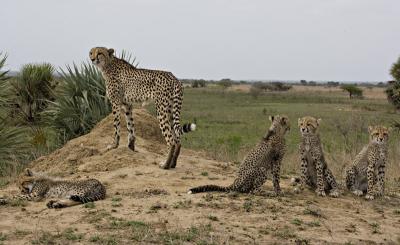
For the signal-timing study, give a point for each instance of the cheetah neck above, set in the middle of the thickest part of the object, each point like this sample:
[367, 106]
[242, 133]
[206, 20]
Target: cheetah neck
[273, 139]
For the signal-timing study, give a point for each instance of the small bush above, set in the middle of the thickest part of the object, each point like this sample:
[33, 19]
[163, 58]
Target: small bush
[13, 142]
[80, 102]
[273, 86]
[225, 83]
[332, 84]
[33, 89]
[393, 90]
[353, 90]
[199, 83]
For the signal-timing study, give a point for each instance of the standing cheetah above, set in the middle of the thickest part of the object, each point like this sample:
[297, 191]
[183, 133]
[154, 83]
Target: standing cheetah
[367, 173]
[36, 187]
[125, 84]
[314, 169]
[266, 156]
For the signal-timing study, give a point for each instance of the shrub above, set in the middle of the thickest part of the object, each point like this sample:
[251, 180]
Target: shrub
[393, 90]
[395, 70]
[4, 86]
[13, 143]
[255, 92]
[199, 83]
[353, 90]
[332, 84]
[273, 86]
[80, 101]
[32, 90]
[225, 83]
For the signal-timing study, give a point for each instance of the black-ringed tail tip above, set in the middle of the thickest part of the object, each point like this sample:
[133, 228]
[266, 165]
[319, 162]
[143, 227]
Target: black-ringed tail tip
[189, 127]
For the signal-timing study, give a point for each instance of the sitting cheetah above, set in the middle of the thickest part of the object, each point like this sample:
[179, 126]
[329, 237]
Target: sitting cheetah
[314, 169]
[267, 155]
[36, 187]
[126, 84]
[367, 173]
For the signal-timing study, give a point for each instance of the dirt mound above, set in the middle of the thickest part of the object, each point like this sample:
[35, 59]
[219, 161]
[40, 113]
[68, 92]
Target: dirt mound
[91, 148]
[149, 205]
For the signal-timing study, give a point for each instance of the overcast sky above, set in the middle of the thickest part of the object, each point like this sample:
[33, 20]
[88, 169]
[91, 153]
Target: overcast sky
[347, 40]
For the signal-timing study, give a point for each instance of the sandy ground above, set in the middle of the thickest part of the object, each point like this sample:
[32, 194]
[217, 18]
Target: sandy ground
[138, 190]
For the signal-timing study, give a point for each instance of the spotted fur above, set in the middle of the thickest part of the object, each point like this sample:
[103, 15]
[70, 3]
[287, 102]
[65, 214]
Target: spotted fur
[314, 169]
[366, 175]
[266, 156]
[126, 84]
[36, 187]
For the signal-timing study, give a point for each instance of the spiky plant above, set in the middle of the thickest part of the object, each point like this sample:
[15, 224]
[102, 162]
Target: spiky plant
[14, 148]
[80, 101]
[13, 142]
[33, 90]
[4, 86]
[393, 91]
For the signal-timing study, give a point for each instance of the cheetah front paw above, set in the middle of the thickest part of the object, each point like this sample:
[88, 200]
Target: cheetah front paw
[334, 193]
[369, 197]
[55, 204]
[358, 193]
[163, 165]
[321, 193]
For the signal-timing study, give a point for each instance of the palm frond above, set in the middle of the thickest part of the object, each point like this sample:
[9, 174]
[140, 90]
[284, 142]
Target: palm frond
[128, 57]
[80, 101]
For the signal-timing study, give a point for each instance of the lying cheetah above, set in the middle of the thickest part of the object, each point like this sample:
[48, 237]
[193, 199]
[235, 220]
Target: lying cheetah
[36, 187]
[126, 84]
[367, 173]
[314, 169]
[266, 156]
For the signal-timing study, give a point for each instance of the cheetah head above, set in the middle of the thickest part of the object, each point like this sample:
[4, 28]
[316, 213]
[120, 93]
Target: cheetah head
[279, 124]
[379, 134]
[308, 125]
[100, 56]
[26, 181]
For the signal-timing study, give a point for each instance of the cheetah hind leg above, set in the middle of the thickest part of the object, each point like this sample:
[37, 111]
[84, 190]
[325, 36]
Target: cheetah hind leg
[64, 203]
[176, 155]
[167, 163]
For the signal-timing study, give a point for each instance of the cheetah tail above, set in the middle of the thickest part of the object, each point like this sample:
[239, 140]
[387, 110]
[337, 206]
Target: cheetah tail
[188, 127]
[208, 188]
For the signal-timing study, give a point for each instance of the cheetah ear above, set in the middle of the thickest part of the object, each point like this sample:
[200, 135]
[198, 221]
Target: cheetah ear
[319, 121]
[271, 118]
[110, 51]
[298, 122]
[370, 129]
[390, 129]
[28, 172]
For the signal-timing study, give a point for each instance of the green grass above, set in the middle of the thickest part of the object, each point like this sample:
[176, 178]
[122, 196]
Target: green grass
[297, 222]
[375, 228]
[231, 123]
[89, 205]
[285, 233]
